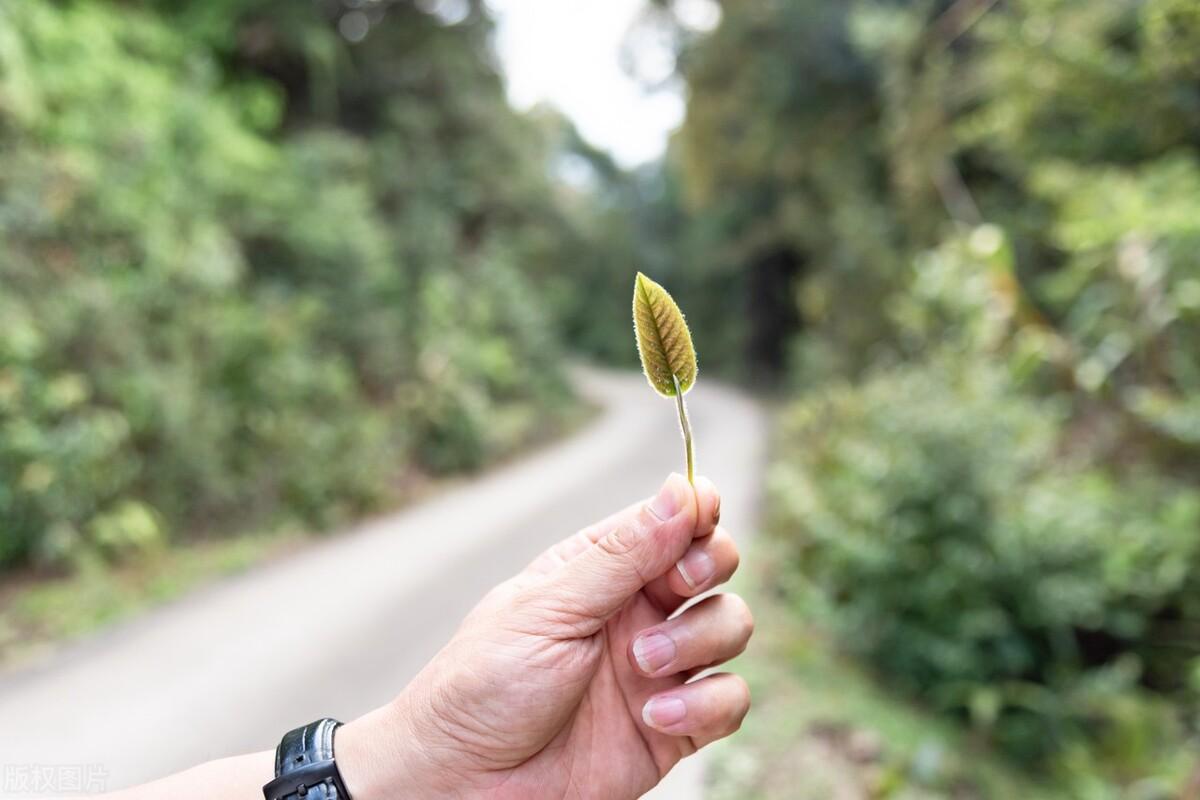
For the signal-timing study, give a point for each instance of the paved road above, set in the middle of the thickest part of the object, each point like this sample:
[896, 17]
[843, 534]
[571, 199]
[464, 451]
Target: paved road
[229, 668]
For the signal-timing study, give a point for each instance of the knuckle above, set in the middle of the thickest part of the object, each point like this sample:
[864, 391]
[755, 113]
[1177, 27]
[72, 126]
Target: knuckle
[729, 557]
[622, 545]
[735, 559]
[738, 609]
[744, 698]
[739, 705]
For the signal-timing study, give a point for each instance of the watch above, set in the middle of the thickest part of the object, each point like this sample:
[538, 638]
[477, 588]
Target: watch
[305, 768]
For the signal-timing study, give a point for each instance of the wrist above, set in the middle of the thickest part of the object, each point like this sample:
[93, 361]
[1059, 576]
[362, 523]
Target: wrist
[379, 756]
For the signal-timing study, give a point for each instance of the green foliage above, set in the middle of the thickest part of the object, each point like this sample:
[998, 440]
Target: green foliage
[1129, 290]
[822, 727]
[470, 403]
[247, 275]
[784, 181]
[971, 565]
[986, 214]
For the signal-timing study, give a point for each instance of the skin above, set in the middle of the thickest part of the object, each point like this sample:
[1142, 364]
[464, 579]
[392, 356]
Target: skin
[573, 679]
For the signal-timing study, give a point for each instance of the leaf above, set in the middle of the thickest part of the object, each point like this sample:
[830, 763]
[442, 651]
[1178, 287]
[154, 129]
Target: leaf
[663, 339]
[668, 358]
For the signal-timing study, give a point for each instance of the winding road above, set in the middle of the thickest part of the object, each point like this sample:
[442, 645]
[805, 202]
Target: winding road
[230, 667]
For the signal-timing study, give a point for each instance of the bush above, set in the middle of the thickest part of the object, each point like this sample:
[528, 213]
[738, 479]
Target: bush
[955, 550]
[208, 319]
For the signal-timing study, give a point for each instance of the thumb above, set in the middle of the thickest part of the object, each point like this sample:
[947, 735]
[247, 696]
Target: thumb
[595, 584]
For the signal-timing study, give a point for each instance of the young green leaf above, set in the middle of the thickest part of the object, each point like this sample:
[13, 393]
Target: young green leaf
[663, 339]
[665, 346]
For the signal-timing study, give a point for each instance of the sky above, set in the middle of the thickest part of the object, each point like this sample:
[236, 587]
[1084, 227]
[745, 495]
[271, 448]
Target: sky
[568, 53]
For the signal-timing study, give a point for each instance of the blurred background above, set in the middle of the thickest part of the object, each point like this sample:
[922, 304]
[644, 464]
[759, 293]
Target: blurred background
[269, 267]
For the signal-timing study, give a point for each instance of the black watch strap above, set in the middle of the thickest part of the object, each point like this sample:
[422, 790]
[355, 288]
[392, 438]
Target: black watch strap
[304, 765]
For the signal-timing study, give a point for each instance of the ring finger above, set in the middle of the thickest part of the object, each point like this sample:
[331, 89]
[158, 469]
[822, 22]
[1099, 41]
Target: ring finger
[711, 632]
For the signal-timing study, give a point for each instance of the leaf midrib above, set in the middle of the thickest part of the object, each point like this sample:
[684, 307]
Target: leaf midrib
[662, 347]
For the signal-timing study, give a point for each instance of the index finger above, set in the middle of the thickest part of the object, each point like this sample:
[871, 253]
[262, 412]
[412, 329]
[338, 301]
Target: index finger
[708, 504]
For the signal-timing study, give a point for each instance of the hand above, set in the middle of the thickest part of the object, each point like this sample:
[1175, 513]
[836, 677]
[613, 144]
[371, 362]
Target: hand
[570, 679]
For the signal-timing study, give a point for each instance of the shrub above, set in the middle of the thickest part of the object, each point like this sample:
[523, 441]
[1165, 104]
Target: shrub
[972, 566]
[208, 319]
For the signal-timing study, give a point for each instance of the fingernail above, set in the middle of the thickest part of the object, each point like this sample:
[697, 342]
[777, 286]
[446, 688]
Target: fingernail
[717, 510]
[696, 567]
[653, 652]
[662, 712]
[669, 501]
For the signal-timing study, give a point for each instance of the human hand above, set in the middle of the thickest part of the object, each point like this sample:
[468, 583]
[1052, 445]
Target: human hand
[570, 679]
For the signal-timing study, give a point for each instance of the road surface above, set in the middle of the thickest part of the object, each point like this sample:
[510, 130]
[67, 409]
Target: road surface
[228, 669]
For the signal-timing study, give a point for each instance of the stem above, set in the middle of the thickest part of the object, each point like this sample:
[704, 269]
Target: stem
[687, 432]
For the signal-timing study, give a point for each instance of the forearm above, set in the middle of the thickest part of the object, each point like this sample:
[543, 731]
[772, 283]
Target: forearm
[374, 754]
[235, 778]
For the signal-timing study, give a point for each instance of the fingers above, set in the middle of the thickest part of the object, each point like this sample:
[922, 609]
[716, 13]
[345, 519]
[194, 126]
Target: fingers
[708, 512]
[708, 562]
[593, 585]
[711, 632]
[708, 507]
[706, 710]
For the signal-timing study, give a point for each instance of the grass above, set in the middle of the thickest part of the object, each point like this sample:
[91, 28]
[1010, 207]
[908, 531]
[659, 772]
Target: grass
[822, 729]
[37, 612]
